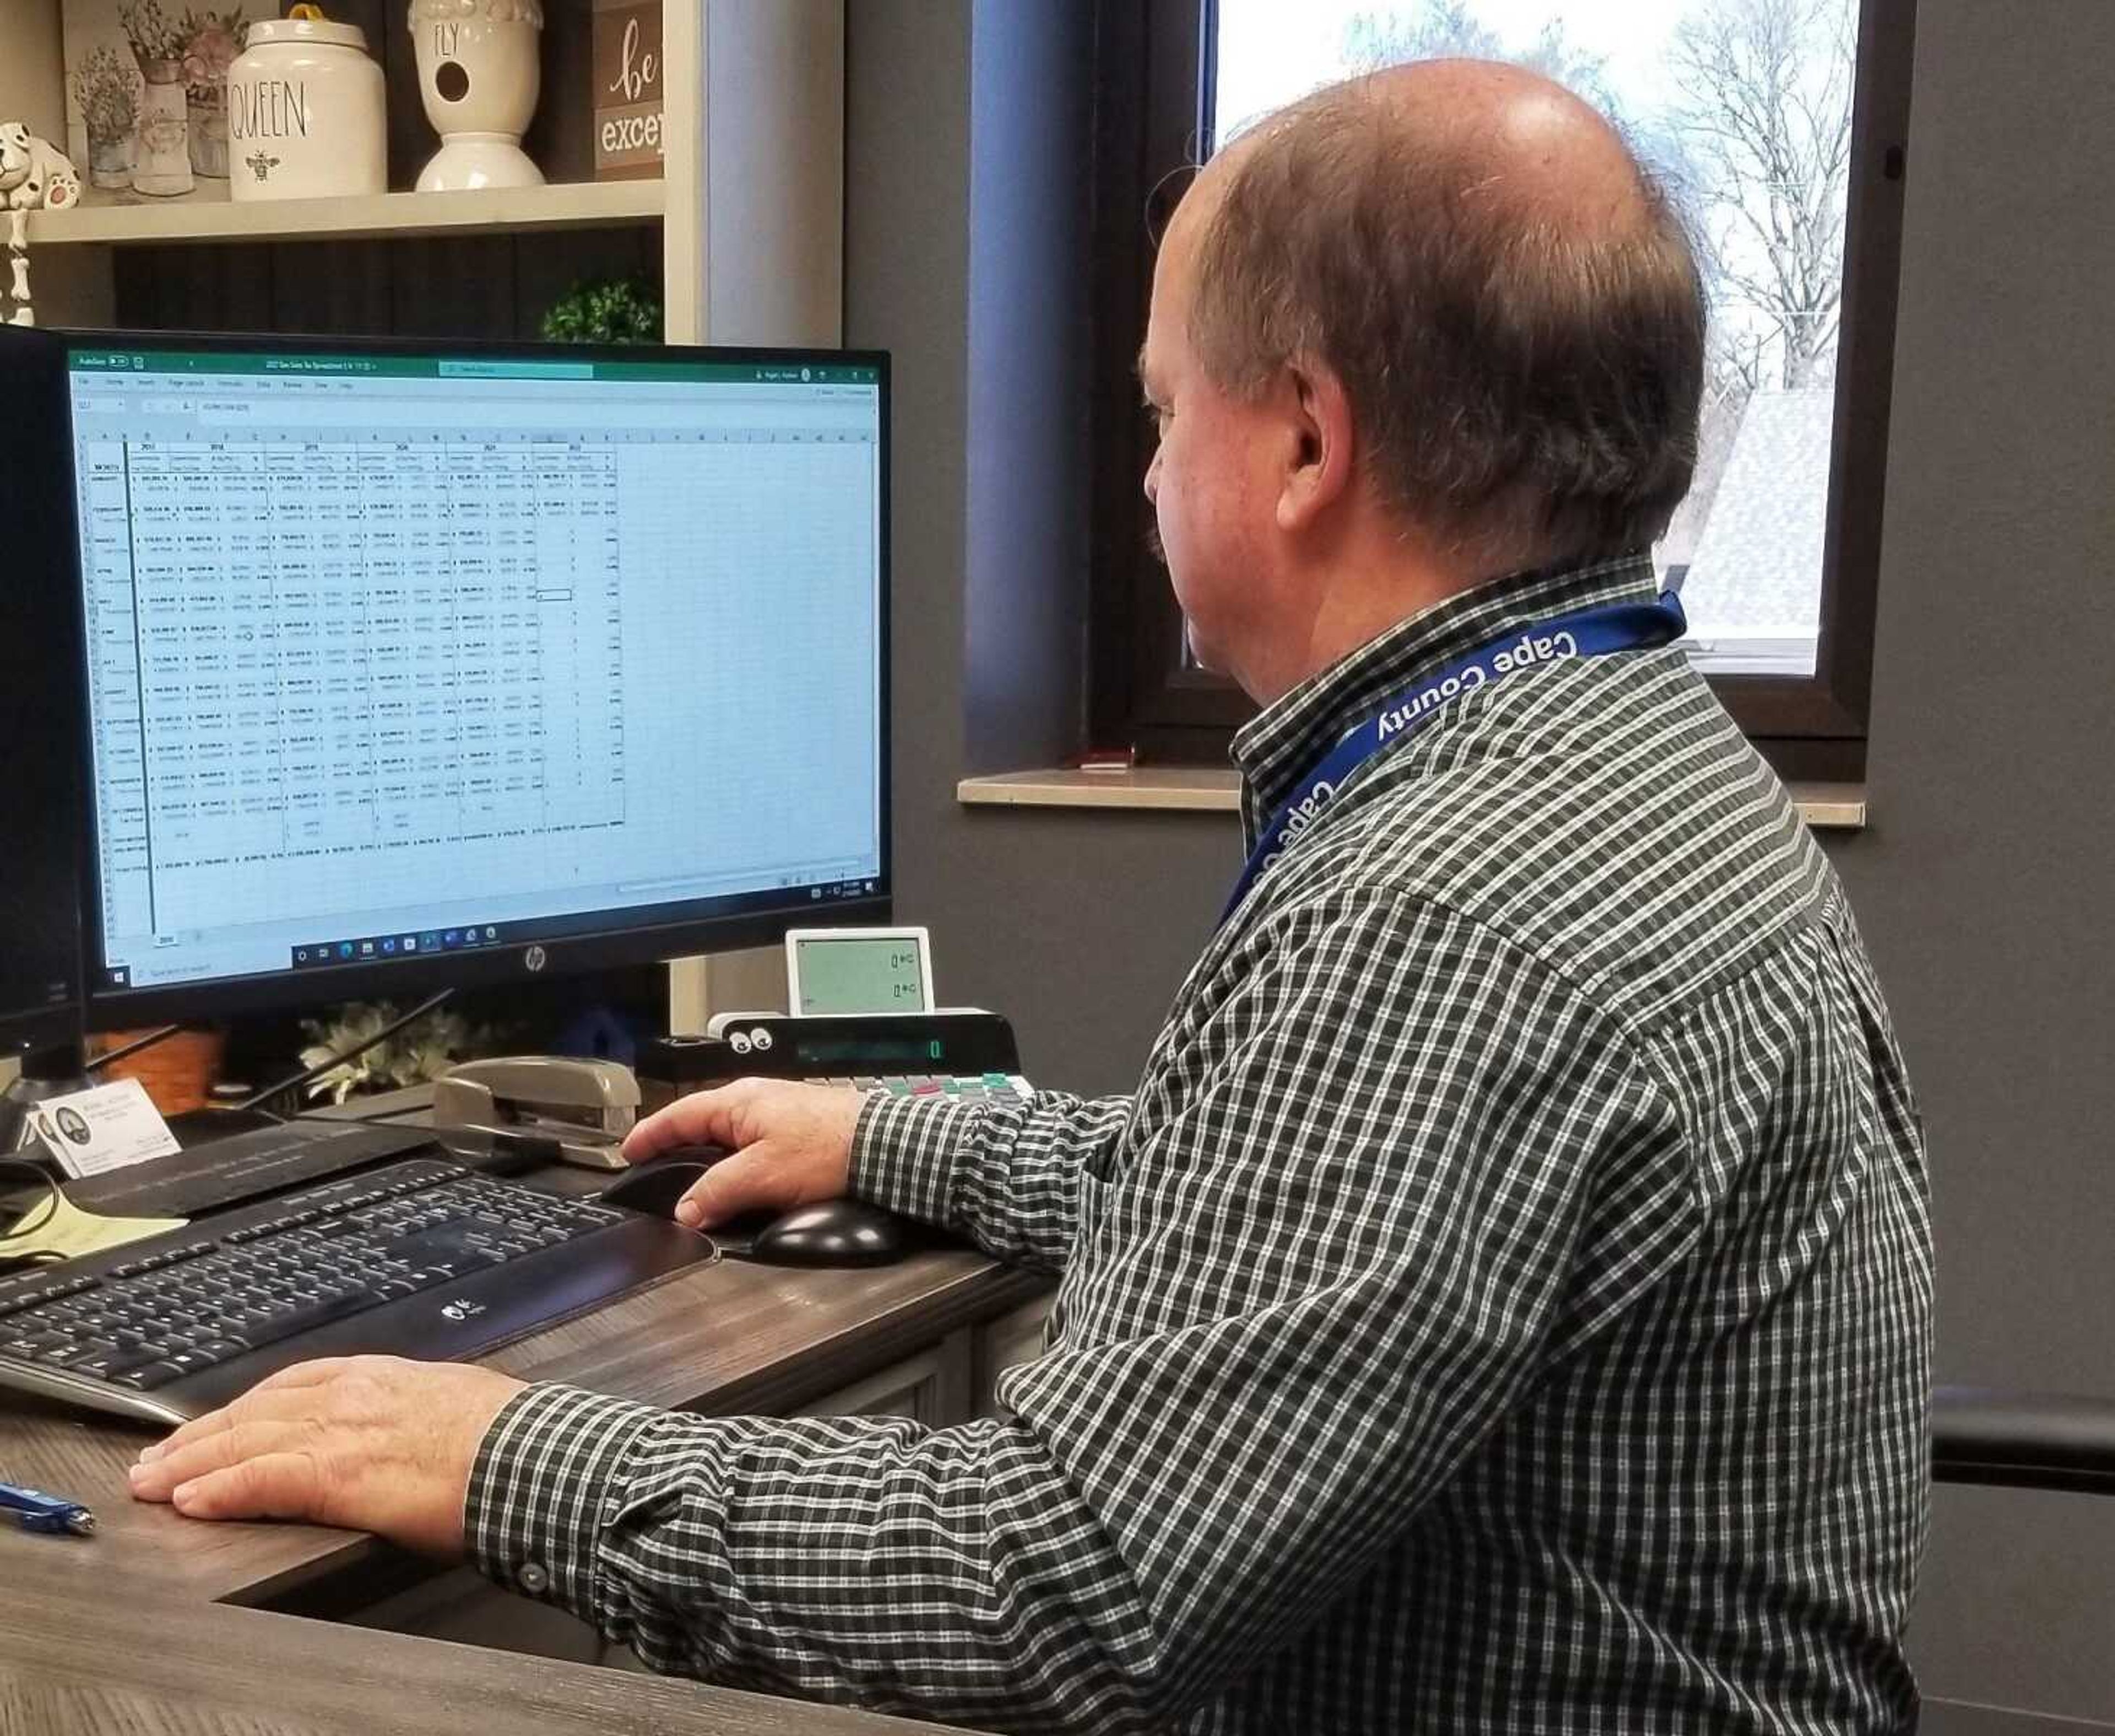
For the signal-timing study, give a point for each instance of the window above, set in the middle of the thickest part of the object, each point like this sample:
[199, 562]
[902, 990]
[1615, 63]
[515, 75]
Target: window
[1779, 125]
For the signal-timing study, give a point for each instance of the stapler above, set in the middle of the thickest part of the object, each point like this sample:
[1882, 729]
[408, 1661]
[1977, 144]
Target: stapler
[586, 1106]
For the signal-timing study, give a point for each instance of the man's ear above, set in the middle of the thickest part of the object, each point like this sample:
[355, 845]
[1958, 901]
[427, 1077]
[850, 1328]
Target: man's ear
[1319, 472]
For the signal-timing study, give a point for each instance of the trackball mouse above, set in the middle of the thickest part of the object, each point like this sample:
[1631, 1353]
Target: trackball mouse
[830, 1233]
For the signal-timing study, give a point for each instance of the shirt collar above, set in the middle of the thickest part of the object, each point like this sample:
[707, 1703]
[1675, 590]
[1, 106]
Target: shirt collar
[1294, 732]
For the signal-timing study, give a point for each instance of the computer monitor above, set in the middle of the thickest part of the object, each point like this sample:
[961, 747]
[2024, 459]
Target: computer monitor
[39, 697]
[413, 664]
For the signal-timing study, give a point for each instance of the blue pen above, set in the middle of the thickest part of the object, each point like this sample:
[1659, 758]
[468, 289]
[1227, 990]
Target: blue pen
[34, 1510]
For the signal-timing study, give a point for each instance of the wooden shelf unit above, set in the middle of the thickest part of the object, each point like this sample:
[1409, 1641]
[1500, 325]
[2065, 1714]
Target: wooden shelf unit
[754, 129]
[375, 217]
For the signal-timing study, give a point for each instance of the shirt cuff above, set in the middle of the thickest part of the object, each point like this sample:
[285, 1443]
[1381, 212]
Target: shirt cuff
[904, 1150]
[551, 1472]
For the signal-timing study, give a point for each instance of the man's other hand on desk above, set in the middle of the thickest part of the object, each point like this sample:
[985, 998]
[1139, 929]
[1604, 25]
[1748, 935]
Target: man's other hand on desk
[370, 1443]
[791, 1145]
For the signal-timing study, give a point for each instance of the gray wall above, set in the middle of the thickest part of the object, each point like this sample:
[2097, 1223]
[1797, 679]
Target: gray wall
[1982, 883]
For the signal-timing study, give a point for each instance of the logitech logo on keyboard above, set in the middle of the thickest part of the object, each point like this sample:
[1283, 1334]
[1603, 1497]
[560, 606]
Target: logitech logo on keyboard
[461, 1309]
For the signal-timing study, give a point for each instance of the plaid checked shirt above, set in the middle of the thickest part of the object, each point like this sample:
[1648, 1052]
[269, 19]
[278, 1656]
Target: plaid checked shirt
[1502, 1305]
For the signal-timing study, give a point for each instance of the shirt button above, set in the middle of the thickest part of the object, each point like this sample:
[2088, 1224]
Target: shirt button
[534, 1580]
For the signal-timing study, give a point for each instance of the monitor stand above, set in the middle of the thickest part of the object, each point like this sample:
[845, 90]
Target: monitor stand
[202, 1126]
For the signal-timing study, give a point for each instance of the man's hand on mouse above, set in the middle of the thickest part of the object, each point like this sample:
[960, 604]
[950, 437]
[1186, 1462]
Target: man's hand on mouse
[791, 1145]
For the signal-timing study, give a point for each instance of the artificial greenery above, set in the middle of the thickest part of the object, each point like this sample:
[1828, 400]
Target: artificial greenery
[423, 1049]
[606, 311]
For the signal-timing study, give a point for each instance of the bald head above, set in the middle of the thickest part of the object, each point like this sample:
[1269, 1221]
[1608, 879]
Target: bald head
[1500, 132]
[1504, 292]
[1513, 135]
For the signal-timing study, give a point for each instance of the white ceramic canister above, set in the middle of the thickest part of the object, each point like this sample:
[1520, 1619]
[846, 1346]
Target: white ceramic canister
[306, 116]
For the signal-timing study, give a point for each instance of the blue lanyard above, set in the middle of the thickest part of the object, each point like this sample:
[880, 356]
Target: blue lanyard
[1592, 632]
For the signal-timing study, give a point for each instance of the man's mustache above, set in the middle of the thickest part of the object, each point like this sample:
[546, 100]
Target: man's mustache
[1154, 545]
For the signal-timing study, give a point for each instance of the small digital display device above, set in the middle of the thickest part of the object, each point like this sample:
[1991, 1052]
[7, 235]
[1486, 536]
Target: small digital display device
[858, 970]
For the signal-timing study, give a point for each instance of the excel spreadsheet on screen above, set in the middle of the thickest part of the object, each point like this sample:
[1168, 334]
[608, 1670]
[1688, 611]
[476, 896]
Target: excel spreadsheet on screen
[392, 652]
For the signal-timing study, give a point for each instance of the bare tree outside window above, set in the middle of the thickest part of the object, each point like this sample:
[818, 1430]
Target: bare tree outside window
[1450, 29]
[1766, 119]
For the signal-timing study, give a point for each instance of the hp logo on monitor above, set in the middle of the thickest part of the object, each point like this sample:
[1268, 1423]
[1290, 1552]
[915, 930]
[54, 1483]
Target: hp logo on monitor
[536, 958]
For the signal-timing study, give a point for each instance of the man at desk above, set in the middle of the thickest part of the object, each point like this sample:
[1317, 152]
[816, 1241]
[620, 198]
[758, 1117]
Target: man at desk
[1504, 1302]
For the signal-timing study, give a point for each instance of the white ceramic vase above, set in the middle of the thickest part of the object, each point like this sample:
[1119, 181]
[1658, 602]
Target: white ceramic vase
[162, 163]
[479, 77]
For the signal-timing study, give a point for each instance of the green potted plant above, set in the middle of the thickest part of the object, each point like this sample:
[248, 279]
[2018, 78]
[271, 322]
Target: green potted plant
[606, 311]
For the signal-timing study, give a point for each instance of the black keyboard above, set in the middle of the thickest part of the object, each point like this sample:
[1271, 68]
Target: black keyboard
[241, 1167]
[423, 1258]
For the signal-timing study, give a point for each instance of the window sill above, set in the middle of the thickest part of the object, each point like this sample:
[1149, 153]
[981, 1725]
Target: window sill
[1208, 789]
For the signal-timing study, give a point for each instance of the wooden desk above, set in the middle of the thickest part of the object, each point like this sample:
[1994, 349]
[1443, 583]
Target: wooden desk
[78, 1658]
[132, 1629]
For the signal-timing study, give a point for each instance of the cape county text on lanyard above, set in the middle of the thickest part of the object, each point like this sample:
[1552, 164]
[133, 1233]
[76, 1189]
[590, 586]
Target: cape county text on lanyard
[1592, 632]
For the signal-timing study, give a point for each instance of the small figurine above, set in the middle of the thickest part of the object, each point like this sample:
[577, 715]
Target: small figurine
[34, 175]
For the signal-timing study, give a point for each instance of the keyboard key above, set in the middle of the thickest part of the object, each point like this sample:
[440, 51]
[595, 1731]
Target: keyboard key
[186, 1360]
[107, 1364]
[149, 1375]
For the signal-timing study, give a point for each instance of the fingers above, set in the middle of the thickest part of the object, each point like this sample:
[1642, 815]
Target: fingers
[211, 1423]
[218, 1450]
[276, 1485]
[746, 1182]
[288, 1380]
[702, 1119]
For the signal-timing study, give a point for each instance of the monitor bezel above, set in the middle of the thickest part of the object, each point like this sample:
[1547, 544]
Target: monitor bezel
[44, 713]
[612, 948]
